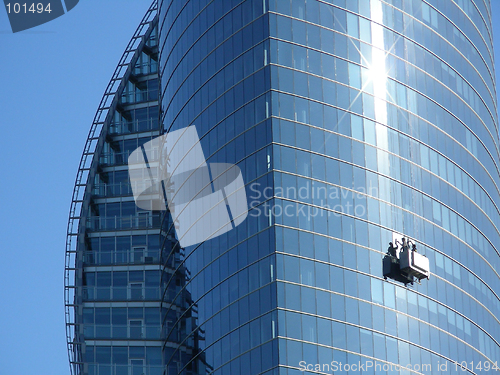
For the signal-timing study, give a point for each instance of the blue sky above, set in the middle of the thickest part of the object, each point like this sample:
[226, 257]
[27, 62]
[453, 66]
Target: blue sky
[53, 78]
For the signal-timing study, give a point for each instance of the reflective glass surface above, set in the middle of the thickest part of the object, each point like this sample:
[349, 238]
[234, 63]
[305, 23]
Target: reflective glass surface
[352, 121]
[119, 270]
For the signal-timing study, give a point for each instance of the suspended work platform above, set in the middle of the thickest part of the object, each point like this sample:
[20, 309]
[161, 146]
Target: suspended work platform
[403, 263]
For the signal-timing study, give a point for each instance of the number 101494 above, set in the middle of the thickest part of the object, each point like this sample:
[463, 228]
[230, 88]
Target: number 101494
[27, 8]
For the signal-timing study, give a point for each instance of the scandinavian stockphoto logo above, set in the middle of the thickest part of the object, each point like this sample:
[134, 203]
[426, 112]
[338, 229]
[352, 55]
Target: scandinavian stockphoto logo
[204, 199]
[25, 15]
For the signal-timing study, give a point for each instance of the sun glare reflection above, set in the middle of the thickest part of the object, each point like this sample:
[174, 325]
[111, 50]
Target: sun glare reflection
[378, 67]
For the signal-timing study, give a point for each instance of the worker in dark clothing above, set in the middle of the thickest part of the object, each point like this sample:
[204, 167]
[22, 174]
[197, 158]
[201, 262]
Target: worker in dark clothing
[392, 250]
[404, 246]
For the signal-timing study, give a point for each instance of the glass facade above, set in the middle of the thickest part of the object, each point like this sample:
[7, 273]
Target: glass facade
[352, 121]
[113, 251]
[216, 75]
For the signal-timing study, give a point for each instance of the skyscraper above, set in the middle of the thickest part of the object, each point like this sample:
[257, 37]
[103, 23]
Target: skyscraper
[113, 269]
[354, 122]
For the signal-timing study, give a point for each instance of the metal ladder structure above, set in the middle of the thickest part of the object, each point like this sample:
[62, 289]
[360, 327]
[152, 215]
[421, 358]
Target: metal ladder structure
[84, 179]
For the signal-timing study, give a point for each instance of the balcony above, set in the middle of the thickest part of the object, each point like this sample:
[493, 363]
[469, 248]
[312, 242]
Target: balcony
[126, 293]
[116, 257]
[144, 220]
[129, 127]
[112, 190]
[136, 368]
[132, 331]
